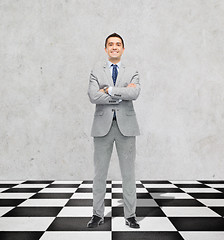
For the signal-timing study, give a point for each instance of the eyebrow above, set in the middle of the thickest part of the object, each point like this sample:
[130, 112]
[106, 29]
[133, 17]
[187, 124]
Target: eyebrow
[115, 42]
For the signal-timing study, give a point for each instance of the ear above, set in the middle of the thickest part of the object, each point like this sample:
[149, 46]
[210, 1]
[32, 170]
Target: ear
[106, 50]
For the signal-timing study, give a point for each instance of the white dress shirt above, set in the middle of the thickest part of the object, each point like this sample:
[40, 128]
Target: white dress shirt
[111, 70]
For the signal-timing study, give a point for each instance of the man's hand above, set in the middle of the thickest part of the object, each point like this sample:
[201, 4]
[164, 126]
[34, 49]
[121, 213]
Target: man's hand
[102, 90]
[131, 85]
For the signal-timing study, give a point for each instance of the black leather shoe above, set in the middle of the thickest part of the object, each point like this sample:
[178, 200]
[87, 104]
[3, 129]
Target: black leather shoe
[95, 222]
[132, 223]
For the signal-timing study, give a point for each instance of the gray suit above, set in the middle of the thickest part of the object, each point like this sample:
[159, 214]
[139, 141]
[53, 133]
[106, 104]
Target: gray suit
[106, 131]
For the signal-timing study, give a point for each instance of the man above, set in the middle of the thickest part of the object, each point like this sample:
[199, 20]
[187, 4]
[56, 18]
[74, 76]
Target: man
[112, 87]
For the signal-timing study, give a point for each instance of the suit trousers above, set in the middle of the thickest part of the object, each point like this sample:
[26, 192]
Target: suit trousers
[126, 151]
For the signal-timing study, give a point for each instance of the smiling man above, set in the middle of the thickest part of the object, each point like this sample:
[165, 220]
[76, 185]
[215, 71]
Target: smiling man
[112, 88]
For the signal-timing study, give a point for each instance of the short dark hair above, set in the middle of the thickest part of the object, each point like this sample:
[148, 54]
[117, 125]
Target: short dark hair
[114, 35]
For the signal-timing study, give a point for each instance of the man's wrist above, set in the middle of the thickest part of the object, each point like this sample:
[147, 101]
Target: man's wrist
[109, 90]
[105, 89]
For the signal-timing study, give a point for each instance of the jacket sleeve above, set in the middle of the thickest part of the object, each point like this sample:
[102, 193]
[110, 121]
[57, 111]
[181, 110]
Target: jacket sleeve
[96, 96]
[127, 93]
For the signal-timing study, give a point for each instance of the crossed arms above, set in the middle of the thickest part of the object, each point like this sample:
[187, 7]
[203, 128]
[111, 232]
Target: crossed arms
[97, 95]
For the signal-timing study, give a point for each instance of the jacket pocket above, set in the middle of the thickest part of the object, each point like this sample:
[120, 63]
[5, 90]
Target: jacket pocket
[130, 113]
[99, 113]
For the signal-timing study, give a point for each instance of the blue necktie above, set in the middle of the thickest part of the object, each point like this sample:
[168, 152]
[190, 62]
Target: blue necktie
[114, 73]
[114, 76]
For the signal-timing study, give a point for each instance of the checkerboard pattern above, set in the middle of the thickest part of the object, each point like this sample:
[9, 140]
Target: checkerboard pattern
[60, 210]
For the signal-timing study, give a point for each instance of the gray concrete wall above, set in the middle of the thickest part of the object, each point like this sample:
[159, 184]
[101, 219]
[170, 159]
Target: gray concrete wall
[47, 49]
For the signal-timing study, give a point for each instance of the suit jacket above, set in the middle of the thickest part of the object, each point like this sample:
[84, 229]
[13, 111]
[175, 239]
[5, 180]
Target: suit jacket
[106, 105]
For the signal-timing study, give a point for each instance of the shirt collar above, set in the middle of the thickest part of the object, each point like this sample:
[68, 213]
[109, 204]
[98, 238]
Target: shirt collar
[109, 64]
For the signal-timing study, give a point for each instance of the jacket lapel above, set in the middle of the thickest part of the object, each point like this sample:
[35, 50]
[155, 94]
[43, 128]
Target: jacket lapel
[120, 74]
[109, 77]
[108, 74]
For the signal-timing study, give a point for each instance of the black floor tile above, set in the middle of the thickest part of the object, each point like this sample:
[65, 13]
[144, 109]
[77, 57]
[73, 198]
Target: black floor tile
[77, 224]
[219, 210]
[143, 196]
[23, 190]
[120, 185]
[211, 181]
[139, 186]
[140, 212]
[38, 182]
[89, 190]
[33, 212]
[155, 182]
[5, 185]
[10, 202]
[178, 202]
[63, 186]
[116, 185]
[146, 236]
[139, 195]
[91, 182]
[20, 235]
[85, 202]
[207, 195]
[87, 182]
[220, 189]
[191, 186]
[117, 195]
[164, 190]
[52, 196]
[198, 223]
[149, 212]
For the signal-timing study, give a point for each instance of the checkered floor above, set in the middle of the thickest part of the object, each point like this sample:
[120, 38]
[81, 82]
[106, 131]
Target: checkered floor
[60, 210]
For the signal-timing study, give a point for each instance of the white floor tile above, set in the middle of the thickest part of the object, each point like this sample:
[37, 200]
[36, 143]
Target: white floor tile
[31, 186]
[117, 190]
[25, 223]
[86, 185]
[117, 203]
[120, 190]
[67, 182]
[4, 210]
[88, 196]
[200, 190]
[216, 185]
[146, 203]
[10, 182]
[3, 189]
[44, 202]
[171, 195]
[140, 203]
[117, 182]
[212, 202]
[90, 185]
[146, 224]
[189, 212]
[185, 182]
[159, 185]
[202, 235]
[58, 190]
[81, 212]
[76, 235]
[141, 190]
[16, 195]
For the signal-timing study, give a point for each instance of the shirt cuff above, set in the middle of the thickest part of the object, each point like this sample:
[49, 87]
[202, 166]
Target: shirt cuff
[110, 90]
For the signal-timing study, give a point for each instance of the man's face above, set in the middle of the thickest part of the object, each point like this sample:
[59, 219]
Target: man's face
[114, 48]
